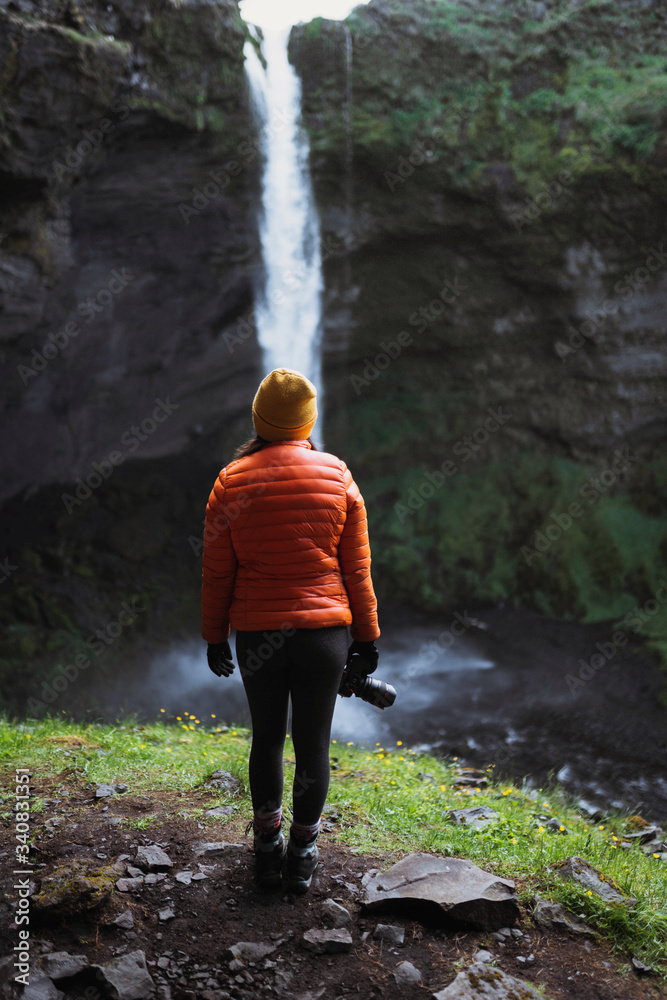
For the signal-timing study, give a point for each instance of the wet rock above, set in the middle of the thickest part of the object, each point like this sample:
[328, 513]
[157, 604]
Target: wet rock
[553, 915]
[41, 988]
[223, 781]
[252, 951]
[477, 817]
[125, 920]
[129, 884]
[59, 964]
[457, 888]
[588, 876]
[393, 933]
[406, 974]
[75, 887]
[219, 811]
[334, 915]
[480, 982]
[332, 940]
[152, 858]
[217, 849]
[128, 976]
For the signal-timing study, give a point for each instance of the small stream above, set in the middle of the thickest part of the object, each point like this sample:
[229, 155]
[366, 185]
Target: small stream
[497, 695]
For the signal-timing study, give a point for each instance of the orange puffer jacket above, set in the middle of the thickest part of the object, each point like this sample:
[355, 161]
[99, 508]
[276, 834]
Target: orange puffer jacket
[286, 546]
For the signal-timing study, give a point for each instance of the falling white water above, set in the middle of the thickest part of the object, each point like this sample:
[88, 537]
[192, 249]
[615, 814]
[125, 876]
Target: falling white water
[289, 307]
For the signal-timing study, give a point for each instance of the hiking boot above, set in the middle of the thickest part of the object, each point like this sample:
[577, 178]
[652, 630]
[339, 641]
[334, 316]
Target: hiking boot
[270, 850]
[301, 862]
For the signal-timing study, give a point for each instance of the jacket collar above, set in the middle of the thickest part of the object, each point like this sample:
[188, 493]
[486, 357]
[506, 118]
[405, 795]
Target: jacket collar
[292, 444]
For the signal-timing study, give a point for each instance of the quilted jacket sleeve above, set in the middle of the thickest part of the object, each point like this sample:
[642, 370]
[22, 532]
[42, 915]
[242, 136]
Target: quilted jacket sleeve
[354, 556]
[218, 567]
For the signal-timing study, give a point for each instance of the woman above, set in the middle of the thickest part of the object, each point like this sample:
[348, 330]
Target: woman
[286, 563]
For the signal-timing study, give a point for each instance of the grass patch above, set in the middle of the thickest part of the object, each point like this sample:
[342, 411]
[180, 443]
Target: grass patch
[389, 799]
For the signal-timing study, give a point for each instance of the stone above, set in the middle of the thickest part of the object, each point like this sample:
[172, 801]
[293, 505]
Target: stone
[134, 872]
[41, 988]
[125, 920]
[553, 915]
[75, 887]
[588, 876]
[393, 933]
[334, 915]
[476, 817]
[328, 941]
[166, 914]
[451, 887]
[481, 982]
[185, 878]
[219, 811]
[217, 849]
[641, 968]
[129, 884]
[59, 964]
[103, 791]
[406, 974]
[483, 956]
[152, 858]
[252, 951]
[128, 976]
[223, 781]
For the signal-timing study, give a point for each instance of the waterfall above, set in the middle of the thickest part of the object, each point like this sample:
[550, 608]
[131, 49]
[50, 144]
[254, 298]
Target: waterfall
[349, 146]
[289, 305]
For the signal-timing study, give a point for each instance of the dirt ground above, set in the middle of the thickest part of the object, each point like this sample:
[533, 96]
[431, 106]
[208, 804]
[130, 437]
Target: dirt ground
[225, 907]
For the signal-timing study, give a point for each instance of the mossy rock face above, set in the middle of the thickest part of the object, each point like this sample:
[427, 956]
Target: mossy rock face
[76, 888]
[494, 174]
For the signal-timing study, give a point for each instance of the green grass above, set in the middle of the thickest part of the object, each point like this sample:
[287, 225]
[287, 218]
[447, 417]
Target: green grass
[389, 799]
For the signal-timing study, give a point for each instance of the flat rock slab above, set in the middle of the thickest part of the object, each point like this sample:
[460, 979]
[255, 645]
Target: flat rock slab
[60, 964]
[451, 887]
[476, 817]
[554, 916]
[152, 858]
[252, 951]
[483, 981]
[327, 941]
[588, 876]
[128, 976]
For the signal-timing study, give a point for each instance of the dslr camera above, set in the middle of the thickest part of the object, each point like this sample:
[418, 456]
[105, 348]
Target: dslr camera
[356, 682]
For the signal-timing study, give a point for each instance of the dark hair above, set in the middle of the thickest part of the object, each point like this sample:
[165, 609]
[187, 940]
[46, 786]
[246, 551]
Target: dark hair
[256, 443]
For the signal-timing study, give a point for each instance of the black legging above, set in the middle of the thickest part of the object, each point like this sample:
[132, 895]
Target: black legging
[307, 665]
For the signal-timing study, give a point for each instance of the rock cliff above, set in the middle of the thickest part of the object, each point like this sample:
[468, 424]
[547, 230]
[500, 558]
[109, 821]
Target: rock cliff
[495, 333]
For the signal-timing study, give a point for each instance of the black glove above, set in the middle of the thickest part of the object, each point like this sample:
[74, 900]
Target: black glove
[369, 657]
[219, 656]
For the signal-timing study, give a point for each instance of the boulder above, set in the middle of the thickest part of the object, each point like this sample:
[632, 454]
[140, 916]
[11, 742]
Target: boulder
[588, 876]
[451, 887]
[482, 982]
[406, 974]
[334, 915]
[128, 976]
[327, 941]
[152, 858]
[75, 887]
[476, 817]
[554, 916]
[60, 964]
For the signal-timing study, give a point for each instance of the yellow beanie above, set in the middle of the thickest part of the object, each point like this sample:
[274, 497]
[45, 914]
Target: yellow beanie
[284, 407]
